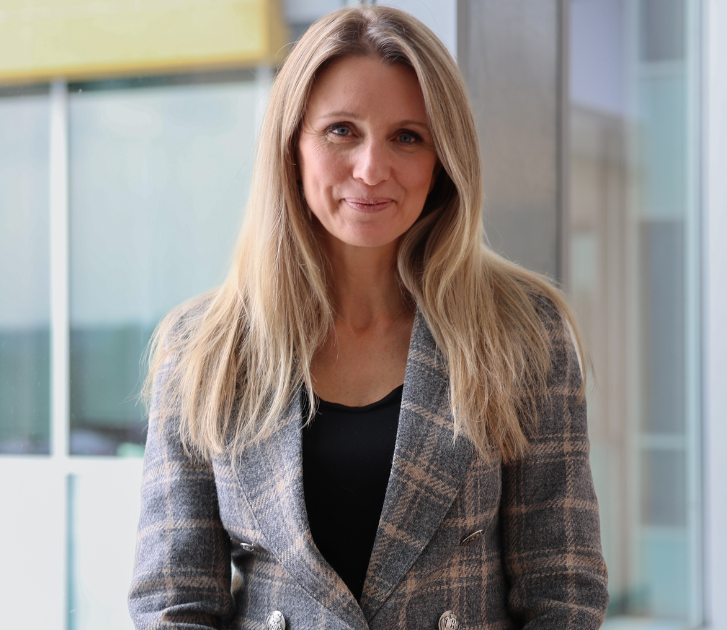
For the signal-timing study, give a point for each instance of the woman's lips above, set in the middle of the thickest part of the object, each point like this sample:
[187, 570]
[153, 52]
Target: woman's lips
[373, 204]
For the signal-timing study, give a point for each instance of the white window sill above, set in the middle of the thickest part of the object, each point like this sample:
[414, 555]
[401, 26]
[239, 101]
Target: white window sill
[643, 623]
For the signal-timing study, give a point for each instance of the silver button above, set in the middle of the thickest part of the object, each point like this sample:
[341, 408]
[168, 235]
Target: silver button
[245, 546]
[448, 621]
[275, 621]
[468, 540]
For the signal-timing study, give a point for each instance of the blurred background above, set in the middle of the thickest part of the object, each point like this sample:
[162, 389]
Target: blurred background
[127, 135]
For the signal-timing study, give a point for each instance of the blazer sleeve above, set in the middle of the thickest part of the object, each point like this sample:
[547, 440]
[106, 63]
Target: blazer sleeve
[549, 514]
[182, 569]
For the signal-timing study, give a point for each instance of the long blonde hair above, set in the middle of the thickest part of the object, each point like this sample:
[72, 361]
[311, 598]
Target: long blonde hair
[240, 353]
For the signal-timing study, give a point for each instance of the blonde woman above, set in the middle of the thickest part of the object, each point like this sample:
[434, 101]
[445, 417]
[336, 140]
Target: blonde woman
[379, 422]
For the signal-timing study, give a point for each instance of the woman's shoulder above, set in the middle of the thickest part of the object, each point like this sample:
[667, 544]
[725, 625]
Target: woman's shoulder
[525, 291]
[172, 337]
[182, 322]
[191, 310]
[559, 322]
[533, 298]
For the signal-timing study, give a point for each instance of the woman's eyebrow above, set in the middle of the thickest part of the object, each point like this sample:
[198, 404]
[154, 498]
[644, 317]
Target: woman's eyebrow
[340, 114]
[410, 122]
[353, 116]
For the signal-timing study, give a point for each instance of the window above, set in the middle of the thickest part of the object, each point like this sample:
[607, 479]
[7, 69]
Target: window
[158, 171]
[24, 272]
[158, 182]
[634, 254]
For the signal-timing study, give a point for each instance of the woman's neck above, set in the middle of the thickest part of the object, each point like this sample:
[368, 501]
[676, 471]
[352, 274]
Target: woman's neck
[365, 357]
[366, 287]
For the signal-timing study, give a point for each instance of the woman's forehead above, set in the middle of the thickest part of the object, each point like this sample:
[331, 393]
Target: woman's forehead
[365, 85]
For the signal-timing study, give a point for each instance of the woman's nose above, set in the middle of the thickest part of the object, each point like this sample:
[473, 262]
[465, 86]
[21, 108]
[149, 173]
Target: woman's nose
[372, 163]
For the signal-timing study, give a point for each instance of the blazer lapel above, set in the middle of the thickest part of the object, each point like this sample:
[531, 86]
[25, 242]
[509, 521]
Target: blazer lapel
[428, 469]
[426, 474]
[271, 477]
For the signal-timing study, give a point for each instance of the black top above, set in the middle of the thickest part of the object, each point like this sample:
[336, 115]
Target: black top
[347, 456]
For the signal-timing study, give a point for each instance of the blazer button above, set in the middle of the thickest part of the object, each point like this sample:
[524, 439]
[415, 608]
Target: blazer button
[448, 621]
[275, 621]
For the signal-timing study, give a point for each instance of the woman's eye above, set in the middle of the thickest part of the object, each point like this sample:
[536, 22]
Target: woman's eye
[408, 138]
[339, 130]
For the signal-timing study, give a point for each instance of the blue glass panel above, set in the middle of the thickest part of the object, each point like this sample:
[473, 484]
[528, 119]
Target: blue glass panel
[24, 274]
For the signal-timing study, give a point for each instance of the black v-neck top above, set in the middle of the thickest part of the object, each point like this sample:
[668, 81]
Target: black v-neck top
[347, 457]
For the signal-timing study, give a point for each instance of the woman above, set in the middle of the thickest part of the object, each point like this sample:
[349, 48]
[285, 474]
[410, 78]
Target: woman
[377, 419]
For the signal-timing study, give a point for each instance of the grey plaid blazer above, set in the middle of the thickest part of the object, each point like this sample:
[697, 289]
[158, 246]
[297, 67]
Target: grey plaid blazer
[501, 546]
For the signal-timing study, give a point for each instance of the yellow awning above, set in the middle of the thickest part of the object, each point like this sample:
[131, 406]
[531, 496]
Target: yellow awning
[80, 39]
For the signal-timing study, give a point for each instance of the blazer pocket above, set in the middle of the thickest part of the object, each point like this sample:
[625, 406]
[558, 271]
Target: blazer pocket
[447, 547]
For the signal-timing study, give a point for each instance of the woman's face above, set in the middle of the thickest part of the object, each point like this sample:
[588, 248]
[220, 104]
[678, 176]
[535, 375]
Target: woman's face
[366, 156]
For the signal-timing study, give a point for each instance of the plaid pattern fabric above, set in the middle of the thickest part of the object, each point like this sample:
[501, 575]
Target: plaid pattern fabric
[503, 547]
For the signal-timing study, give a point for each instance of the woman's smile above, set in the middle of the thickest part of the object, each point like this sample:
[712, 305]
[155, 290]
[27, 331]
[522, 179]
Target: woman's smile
[363, 204]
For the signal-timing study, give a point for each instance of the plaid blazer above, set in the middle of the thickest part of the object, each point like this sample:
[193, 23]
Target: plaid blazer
[501, 546]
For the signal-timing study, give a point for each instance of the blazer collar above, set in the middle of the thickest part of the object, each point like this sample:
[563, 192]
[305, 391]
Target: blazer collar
[426, 474]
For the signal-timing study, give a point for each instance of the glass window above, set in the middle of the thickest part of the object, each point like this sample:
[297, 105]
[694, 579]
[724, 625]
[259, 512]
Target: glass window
[158, 178]
[634, 254]
[24, 272]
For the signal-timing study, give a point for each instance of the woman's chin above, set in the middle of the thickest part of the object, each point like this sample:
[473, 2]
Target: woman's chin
[367, 241]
